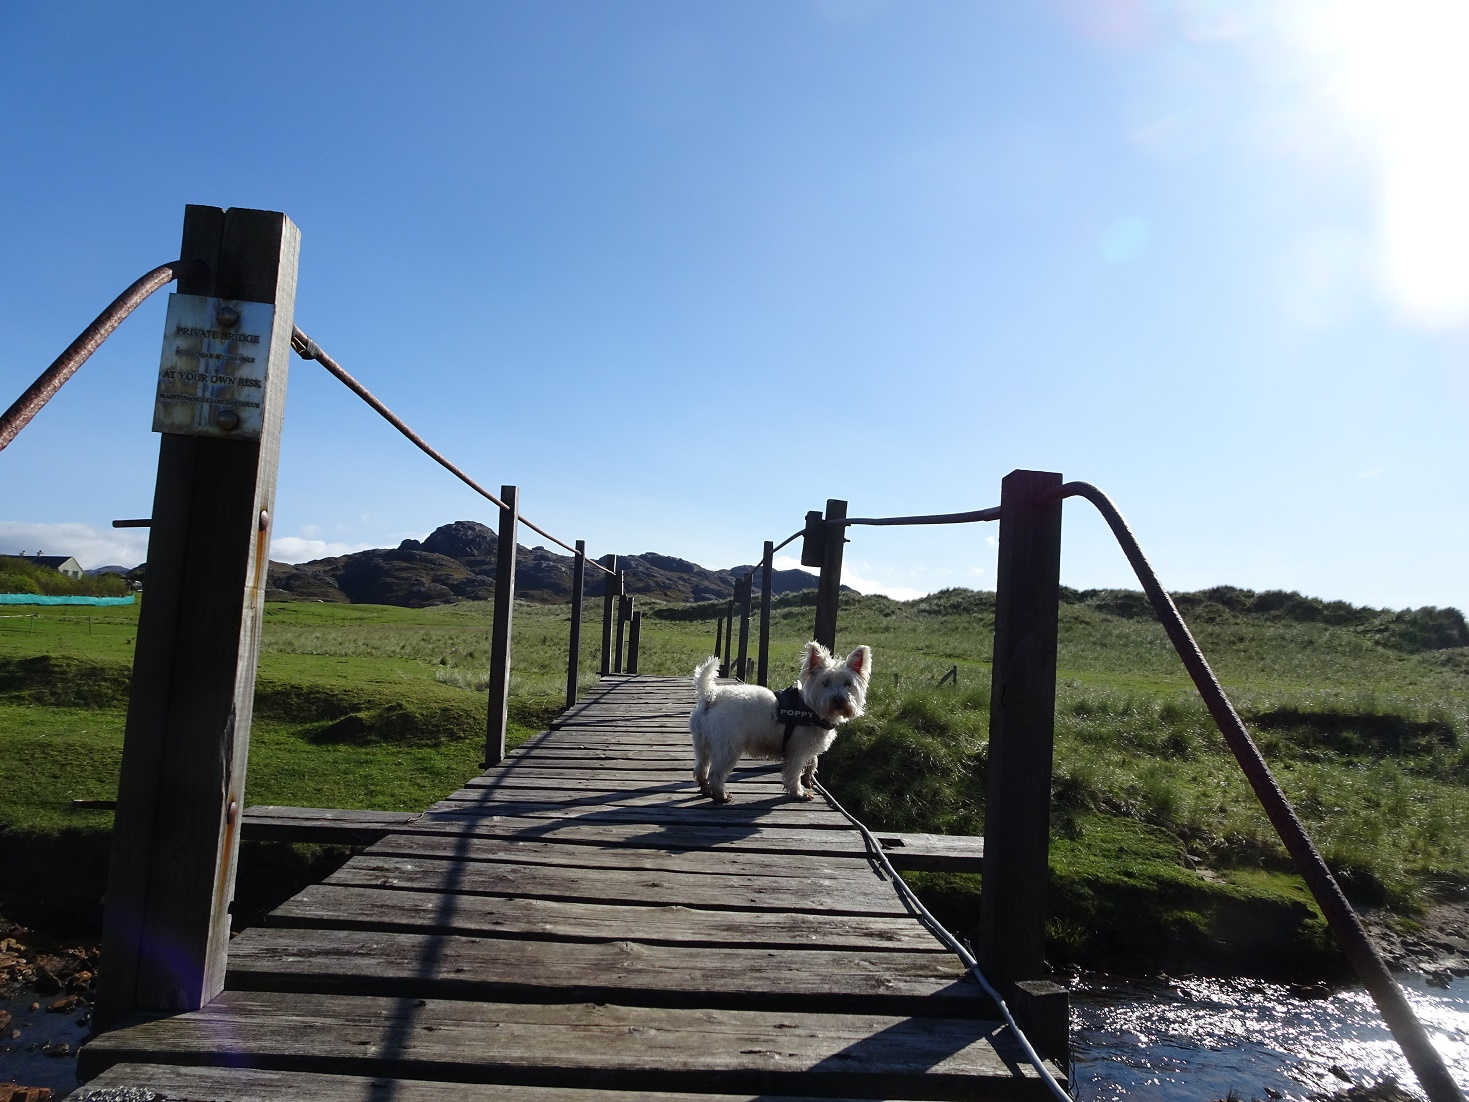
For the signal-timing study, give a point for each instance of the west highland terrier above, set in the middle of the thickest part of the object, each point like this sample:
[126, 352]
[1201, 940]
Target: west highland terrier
[797, 725]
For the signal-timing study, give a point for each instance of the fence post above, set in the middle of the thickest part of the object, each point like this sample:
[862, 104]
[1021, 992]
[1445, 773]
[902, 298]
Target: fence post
[573, 662]
[763, 662]
[719, 640]
[746, 585]
[499, 706]
[728, 667]
[171, 876]
[829, 586]
[1022, 721]
[632, 641]
[624, 613]
[614, 588]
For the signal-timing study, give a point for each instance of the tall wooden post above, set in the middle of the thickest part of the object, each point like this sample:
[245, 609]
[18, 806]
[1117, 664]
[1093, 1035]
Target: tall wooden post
[728, 666]
[499, 689]
[578, 580]
[171, 878]
[611, 593]
[719, 639]
[624, 614]
[1022, 717]
[632, 641]
[829, 586]
[745, 586]
[767, 561]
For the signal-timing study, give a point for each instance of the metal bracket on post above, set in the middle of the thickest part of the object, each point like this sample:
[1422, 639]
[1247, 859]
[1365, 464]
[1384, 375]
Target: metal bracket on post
[171, 876]
[813, 540]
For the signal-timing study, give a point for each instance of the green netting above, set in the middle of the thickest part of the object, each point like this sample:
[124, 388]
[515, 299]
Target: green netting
[45, 599]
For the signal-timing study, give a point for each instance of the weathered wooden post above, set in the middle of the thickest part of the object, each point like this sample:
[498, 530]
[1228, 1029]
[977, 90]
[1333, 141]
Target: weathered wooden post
[219, 406]
[624, 613]
[829, 586]
[767, 561]
[578, 579]
[743, 592]
[499, 689]
[719, 639]
[632, 641]
[727, 667]
[1022, 719]
[613, 590]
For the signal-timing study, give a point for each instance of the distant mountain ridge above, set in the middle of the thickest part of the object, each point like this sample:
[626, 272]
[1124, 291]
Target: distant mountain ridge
[457, 562]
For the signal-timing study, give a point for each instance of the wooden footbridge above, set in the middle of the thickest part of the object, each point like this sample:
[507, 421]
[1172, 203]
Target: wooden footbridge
[576, 923]
[579, 923]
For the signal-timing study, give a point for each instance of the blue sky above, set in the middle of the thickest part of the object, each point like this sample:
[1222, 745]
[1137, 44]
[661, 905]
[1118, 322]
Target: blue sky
[682, 271]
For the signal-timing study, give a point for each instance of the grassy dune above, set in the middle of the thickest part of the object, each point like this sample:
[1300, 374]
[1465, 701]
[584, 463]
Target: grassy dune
[1157, 839]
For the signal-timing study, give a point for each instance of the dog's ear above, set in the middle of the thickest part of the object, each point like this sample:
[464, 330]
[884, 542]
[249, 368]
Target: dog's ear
[816, 659]
[860, 662]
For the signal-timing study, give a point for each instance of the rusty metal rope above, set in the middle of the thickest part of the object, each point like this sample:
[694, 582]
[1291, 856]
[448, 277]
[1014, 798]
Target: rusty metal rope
[65, 365]
[308, 349]
[1406, 1029]
[933, 518]
[797, 534]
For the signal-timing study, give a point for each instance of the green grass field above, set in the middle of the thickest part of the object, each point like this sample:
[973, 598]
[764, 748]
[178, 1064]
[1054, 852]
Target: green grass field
[368, 706]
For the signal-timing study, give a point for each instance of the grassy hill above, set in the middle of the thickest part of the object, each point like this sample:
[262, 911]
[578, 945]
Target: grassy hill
[19, 575]
[1159, 848]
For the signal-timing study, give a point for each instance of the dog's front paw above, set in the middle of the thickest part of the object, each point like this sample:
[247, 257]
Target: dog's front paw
[806, 794]
[721, 797]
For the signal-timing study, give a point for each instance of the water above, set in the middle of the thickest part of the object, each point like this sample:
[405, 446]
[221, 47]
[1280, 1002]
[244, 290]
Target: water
[1197, 1039]
[44, 1053]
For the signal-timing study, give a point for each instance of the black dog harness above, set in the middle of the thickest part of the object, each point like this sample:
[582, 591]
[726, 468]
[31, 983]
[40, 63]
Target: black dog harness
[792, 711]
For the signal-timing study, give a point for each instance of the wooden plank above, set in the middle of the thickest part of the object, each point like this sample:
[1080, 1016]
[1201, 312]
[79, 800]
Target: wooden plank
[560, 770]
[337, 906]
[343, 826]
[175, 846]
[540, 851]
[812, 894]
[236, 1084]
[746, 808]
[583, 1046]
[933, 852]
[675, 781]
[725, 837]
[447, 966]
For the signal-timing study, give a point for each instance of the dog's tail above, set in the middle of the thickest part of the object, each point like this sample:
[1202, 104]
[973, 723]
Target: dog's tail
[704, 683]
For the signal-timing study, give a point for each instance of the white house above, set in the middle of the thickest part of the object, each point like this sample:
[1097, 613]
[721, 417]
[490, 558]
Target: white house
[62, 564]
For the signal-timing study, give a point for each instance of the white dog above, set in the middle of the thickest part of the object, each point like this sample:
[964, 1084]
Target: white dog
[799, 724]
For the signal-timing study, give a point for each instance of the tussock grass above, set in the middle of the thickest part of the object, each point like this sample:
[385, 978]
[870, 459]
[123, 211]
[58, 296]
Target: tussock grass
[1363, 715]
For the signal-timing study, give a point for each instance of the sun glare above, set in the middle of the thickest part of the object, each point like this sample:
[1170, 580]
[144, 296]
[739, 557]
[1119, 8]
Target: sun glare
[1394, 75]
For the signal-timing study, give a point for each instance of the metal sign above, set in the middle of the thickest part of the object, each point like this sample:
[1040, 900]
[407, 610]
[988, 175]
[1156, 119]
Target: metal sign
[211, 378]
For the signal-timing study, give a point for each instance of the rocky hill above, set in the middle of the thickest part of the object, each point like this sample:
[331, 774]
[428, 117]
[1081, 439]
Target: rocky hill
[457, 563]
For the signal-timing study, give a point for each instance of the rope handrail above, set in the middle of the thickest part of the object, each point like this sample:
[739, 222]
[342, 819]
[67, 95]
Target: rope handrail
[35, 397]
[308, 349]
[940, 931]
[797, 534]
[1406, 1029]
[992, 513]
[88, 341]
